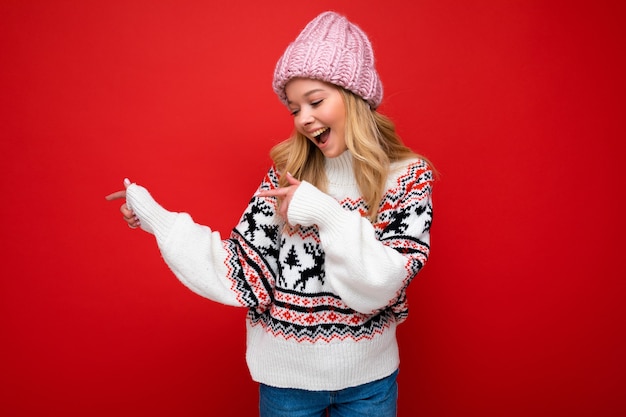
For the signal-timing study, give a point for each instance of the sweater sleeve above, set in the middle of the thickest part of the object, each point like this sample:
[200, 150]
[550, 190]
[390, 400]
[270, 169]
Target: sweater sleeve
[237, 271]
[370, 265]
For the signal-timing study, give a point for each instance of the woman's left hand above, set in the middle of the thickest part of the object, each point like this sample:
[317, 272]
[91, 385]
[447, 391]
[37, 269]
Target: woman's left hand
[284, 195]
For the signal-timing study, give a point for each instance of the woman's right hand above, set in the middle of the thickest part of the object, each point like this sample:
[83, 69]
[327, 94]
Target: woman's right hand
[284, 194]
[127, 213]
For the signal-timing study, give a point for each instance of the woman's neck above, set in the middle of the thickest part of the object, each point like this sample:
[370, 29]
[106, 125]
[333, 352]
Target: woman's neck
[339, 170]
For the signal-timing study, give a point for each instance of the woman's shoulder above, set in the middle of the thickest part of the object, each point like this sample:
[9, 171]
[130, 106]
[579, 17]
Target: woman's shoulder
[409, 165]
[409, 173]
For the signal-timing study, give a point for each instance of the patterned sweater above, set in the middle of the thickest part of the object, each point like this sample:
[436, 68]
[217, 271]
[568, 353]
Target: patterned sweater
[323, 298]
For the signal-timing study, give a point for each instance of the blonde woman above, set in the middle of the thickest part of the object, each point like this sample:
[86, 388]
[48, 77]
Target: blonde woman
[326, 248]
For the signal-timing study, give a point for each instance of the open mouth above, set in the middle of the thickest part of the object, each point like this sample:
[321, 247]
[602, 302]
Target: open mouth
[321, 135]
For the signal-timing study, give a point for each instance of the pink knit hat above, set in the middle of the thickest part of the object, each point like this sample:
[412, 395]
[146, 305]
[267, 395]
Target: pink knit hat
[331, 49]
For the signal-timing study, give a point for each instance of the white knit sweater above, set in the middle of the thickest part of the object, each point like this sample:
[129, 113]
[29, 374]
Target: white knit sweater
[324, 298]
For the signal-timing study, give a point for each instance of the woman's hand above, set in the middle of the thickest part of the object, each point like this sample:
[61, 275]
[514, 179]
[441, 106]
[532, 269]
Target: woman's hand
[284, 195]
[127, 213]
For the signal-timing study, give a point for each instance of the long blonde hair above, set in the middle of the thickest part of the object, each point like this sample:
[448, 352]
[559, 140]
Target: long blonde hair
[372, 140]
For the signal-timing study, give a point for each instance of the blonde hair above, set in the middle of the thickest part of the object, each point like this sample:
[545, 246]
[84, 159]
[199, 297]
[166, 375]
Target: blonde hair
[372, 140]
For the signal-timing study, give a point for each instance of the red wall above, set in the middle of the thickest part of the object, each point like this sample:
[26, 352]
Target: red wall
[520, 104]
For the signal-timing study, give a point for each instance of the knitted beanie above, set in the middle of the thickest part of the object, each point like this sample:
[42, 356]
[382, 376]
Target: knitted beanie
[331, 49]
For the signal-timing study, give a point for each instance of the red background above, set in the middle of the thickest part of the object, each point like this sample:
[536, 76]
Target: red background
[520, 104]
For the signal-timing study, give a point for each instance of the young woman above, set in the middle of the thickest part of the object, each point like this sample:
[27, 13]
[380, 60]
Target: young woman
[326, 248]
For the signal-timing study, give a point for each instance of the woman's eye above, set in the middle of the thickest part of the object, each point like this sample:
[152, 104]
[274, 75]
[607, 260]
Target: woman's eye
[317, 103]
[294, 112]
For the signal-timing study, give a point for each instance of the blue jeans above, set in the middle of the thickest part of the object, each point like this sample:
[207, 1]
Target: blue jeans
[377, 398]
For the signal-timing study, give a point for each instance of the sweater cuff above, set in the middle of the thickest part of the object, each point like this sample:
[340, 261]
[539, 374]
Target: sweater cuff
[154, 218]
[310, 206]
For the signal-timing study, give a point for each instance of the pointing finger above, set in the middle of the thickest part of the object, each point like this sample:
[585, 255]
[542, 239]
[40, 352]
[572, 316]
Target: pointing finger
[276, 192]
[116, 195]
[119, 194]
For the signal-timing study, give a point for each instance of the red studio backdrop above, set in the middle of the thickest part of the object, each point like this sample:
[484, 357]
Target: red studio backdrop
[519, 104]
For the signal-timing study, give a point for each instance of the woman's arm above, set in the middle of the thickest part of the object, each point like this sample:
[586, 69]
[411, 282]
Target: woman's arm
[370, 265]
[237, 271]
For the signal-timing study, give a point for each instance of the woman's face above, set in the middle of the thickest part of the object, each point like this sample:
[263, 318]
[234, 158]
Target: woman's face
[319, 114]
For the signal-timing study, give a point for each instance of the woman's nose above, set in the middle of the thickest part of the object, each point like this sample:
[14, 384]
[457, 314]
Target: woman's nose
[305, 117]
